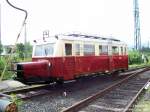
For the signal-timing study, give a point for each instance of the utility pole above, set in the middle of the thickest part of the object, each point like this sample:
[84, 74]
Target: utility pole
[23, 24]
[25, 40]
[0, 25]
[137, 34]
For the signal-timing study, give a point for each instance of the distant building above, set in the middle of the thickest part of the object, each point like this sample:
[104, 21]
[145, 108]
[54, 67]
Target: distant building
[7, 49]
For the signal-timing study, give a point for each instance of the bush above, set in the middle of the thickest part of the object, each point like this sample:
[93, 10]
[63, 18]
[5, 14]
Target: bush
[2, 63]
[7, 74]
[135, 57]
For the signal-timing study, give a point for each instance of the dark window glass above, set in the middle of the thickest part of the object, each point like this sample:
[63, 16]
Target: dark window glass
[100, 49]
[68, 49]
[125, 50]
[115, 50]
[121, 50]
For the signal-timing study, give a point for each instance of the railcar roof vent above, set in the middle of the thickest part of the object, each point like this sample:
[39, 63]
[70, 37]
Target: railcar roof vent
[113, 39]
[93, 37]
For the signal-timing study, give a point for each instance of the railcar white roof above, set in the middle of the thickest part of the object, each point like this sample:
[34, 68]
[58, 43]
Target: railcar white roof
[84, 38]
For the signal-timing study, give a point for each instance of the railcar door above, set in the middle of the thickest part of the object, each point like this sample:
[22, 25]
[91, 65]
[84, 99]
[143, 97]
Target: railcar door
[68, 62]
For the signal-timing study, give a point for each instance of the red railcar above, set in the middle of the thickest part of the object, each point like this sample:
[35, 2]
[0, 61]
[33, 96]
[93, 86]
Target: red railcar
[66, 57]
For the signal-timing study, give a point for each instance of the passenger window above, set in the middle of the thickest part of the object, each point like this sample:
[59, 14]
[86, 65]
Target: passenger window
[121, 48]
[104, 49]
[115, 50]
[68, 49]
[100, 49]
[77, 49]
[89, 49]
[39, 50]
[125, 50]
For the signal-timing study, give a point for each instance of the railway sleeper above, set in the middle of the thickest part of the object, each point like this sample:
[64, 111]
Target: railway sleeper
[122, 93]
[94, 110]
[114, 101]
[99, 108]
[33, 94]
[138, 80]
[109, 104]
[136, 84]
[123, 101]
[110, 96]
[130, 87]
[122, 90]
[117, 94]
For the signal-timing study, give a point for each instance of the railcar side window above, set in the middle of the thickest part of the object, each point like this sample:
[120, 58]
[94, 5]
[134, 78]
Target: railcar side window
[89, 49]
[38, 50]
[68, 49]
[100, 49]
[125, 50]
[77, 49]
[49, 49]
[121, 48]
[44, 50]
[104, 49]
[115, 50]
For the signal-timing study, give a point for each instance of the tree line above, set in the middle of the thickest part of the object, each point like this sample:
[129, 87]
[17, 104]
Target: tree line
[20, 51]
[139, 57]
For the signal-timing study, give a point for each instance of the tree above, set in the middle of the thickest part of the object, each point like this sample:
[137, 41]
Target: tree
[20, 50]
[135, 57]
[28, 50]
[24, 51]
[1, 48]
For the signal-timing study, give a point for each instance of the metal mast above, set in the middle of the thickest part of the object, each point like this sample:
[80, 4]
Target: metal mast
[25, 40]
[137, 34]
[0, 25]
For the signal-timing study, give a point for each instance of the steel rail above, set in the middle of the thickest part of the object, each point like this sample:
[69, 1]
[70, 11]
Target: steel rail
[36, 87]
[27, 92]
[135, 97]
[77, 106]
[24, 89]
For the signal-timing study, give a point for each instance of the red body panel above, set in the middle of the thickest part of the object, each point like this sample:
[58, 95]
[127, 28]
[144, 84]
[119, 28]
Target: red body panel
[38, 69]
[119, 62]
[72, 66]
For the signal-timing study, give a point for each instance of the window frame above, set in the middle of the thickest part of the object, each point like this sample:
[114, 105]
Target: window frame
[115, 52]
[104, 50]
[43, 50]
[71, 53]
[89, 50]
[77, 49]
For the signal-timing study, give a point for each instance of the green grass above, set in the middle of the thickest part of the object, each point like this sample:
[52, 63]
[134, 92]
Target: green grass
[143, 104]
[139, 65]
[9, 74]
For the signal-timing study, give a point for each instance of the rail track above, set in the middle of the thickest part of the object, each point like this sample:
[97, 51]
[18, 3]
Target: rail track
[29, 91]
[36, 90]
[51, 89]
[118, 97]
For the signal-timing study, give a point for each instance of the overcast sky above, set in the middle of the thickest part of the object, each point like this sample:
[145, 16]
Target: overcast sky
[104, 17]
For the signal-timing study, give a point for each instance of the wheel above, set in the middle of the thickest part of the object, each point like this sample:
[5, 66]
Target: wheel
[115, 74]
[60, 81]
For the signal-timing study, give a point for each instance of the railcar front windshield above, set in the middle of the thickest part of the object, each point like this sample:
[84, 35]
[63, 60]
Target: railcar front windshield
[44, 50]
